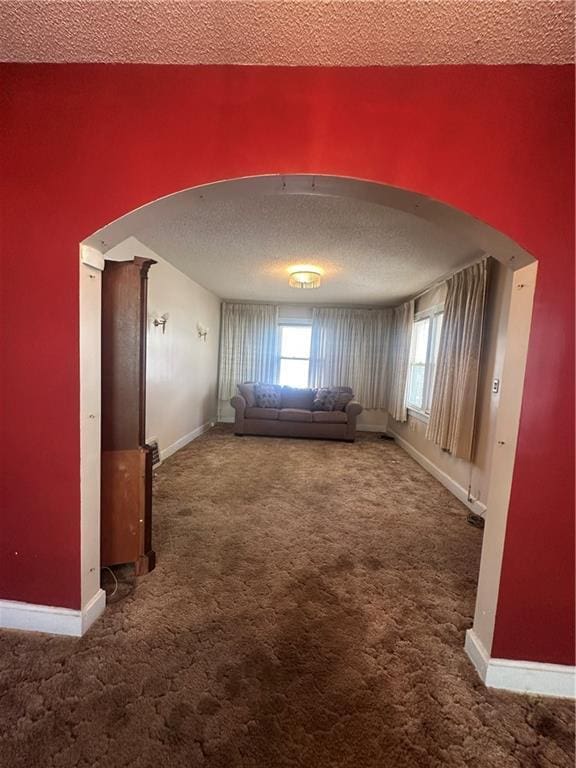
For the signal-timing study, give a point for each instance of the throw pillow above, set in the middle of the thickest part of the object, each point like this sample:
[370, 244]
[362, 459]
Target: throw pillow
[247, 392]
[325, 399]
[332, 399]
[268, 395]
[293, 397]
[344, 396]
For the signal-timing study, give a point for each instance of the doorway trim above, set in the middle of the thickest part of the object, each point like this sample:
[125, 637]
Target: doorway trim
[90, 280]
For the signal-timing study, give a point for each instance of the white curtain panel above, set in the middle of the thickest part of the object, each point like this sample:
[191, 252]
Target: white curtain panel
[349, 348]
[401, 338]
[452, 415]
[249, 346]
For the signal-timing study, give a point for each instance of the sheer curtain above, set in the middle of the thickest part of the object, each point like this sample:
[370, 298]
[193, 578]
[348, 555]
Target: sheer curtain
[249, 346]
[452, 414]
[403, 321]
[350, 348]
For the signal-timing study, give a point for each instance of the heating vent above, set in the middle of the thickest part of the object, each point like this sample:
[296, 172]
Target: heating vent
[153, 443]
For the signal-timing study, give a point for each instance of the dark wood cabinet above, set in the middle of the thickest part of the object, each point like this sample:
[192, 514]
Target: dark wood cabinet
[126, 492]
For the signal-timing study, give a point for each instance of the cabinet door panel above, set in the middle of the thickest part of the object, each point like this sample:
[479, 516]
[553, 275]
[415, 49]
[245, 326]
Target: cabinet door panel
[123, 494]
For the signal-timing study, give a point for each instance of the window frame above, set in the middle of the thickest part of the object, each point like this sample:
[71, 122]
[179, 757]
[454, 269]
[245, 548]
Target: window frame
[292, 324]
[432, 314]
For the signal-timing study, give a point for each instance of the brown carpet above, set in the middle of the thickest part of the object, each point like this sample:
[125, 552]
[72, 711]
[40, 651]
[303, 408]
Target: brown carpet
[308, 611]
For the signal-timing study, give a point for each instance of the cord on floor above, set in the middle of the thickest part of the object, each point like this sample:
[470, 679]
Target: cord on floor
[105, 568]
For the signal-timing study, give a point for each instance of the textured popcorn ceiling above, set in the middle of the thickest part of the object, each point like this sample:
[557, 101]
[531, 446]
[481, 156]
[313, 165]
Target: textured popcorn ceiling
[242, 248]
[300, 32]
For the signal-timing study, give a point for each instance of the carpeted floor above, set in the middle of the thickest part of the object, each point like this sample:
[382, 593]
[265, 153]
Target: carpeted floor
[308, 610]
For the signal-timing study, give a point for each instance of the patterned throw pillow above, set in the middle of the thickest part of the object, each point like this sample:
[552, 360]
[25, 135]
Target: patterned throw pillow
[332, 399]
[268, 395]
[343, 397]
[325, 399]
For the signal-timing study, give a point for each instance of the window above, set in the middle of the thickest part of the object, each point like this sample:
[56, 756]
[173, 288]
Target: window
[294, 354]
[423, 356]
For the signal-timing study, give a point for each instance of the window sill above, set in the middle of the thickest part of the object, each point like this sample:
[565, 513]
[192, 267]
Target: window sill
[419, 415]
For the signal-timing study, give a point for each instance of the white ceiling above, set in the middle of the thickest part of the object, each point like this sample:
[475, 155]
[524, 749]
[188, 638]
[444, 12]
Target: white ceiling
[284, 32]
[241, 248]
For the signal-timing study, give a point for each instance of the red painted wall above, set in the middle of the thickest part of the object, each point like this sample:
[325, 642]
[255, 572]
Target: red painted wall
[83, 144]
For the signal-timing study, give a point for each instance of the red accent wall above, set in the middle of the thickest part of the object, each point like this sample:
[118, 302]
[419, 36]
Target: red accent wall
[84, 144]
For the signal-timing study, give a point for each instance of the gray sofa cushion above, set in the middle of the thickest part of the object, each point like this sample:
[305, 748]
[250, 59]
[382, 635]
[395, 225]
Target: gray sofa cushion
[294, 414]
[330, 417]
[261, 413]
[293, 397]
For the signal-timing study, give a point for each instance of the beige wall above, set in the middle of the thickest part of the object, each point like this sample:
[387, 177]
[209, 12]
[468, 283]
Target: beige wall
[182, 369]
[412, 434]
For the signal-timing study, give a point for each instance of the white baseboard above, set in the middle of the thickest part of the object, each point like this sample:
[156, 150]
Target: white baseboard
[226, 420]
[461, 493]
[533, 677]
[165, 452]
[51, 619]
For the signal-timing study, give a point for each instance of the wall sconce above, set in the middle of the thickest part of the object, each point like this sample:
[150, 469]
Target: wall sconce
[202, 331]
[162, 320]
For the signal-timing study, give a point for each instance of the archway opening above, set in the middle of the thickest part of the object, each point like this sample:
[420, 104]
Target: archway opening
[351, 215]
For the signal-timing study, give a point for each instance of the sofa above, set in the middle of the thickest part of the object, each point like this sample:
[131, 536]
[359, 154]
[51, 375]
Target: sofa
[327, 413]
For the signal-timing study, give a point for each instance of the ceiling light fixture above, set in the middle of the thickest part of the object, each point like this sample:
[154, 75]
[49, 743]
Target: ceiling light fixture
[304, 277]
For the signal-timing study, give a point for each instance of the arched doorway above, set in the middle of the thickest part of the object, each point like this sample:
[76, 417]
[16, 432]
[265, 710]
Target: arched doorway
[478, 235]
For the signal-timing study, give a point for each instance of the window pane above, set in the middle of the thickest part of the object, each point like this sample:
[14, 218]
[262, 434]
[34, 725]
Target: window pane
[417, 370]
[296, 340]
[420, 341]
[293, 373]
[415, 391]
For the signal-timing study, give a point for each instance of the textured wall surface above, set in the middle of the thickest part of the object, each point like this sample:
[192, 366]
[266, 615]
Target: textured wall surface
[306, 32]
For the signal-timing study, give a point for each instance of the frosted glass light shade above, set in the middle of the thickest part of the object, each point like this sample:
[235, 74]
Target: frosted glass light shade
[304, 279]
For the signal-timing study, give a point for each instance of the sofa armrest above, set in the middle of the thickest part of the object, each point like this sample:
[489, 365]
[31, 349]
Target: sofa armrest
[353, 409]
[239, 404]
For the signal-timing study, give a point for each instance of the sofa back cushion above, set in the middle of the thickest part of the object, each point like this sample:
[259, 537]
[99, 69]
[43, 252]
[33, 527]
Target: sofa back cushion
[332, 398]
[268, 395]
[248, 393]
[293, 397]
